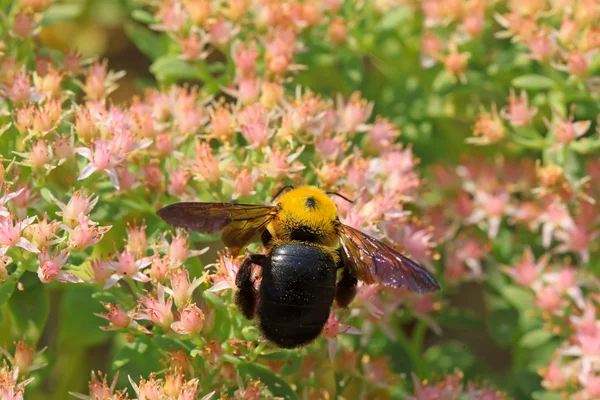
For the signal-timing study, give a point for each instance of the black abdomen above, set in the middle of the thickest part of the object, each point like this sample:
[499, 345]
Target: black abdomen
[296, 293]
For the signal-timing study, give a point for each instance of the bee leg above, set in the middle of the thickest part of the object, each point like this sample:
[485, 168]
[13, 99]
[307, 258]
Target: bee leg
[246, 296]
[346, 288]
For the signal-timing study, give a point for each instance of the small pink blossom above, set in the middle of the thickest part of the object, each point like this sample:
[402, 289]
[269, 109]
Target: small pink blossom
[118, 318]
[555, 377]
[51, 268]
[226, 271]
[102, 157]
[333, 327]
[85, 234]
[280, 163]
[127, 266]
[181, 288]
[78, 205]
[157, 310]
[11, 234]
[528, 271]
[354, 114]
[191, 321]
[549, 299]
[518, 113]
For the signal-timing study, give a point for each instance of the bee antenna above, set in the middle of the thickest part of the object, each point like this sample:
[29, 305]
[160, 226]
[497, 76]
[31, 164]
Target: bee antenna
[282, 190]
[342, 196]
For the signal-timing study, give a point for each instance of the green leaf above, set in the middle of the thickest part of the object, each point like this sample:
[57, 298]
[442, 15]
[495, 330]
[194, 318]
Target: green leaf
[394, 19]
[277, 386]
[502, 325]
[29, 310]
[544, 395]
[59, 12]
[171, 69]
[78, 325]
[143, 16]
[535, 338]
[293, 364]
[533, 82]
[142, 353]
[144, 39]
[448, 356]
[459, 318]
[527, 382]
[517, 296]
[6, 289]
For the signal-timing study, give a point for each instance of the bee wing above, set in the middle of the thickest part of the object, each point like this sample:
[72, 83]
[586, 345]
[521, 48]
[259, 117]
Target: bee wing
[374, 261]
[238, 223]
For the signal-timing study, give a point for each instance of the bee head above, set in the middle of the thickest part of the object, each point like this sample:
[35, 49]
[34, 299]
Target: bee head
[309, 206]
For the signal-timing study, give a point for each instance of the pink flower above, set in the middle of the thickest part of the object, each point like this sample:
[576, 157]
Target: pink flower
[99, 82]
[254, 125]
[566, 130]
[381, 135]
[591, 386]
[179, 249]
[6, 197]
[243, 182]
[157, 310]
[178, 183]
[226, 271]
[102, 157]
[577, 238]
[548, 299]
[159, 268]
[77, 205]
[527, 271]
[280, 163]
[191, 321]
[101, 270]
[206, 167]
[542, 47]
[354, 114]
[244, 57]
[490, 207]
[181, 288]
[150, 389]
[488, 128]
[518, 112]
[555, 216]
[11, 234]
[99, 389]
[555, 377]
[39, 157]
[127, 266]
[85, 234]
[51, 268]
[193, 47]
[333, 327]
[456, 63]
[118, 318]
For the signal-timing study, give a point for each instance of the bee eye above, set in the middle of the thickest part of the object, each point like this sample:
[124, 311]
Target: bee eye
[310, 203]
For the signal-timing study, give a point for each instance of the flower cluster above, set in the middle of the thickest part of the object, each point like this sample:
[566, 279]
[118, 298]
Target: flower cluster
[464, 132]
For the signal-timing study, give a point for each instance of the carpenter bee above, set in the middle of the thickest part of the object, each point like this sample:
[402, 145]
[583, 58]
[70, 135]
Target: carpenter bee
[306, 245]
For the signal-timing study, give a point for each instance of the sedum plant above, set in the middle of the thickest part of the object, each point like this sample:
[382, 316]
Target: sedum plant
[465, 131]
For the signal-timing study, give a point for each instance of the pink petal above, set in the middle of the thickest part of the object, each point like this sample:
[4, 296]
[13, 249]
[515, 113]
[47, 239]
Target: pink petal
[110, 282]
[27, 245]
[114, 179]
[220, 286]
[138, 276]
[332, 348]
[87, 171]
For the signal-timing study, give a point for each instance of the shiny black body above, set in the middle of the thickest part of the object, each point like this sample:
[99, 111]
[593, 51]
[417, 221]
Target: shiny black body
[299, 284]
[296, 293]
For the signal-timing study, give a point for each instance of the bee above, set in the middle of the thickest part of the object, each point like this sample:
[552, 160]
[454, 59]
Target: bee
[306, 245]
